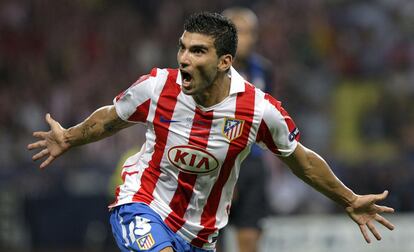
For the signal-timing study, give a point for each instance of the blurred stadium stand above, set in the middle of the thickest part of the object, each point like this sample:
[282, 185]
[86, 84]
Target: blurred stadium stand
[344, 70]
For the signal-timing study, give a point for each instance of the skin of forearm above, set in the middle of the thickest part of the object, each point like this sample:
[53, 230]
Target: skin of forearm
[102, 123]
[313, 169]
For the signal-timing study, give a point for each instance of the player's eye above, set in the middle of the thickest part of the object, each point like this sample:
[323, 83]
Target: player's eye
[198, 50]
[180, 45]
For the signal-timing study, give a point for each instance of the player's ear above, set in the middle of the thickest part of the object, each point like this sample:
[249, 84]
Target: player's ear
[225, 62]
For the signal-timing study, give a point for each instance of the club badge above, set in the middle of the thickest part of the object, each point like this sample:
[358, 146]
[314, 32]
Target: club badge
[146, 242]
[232, 128]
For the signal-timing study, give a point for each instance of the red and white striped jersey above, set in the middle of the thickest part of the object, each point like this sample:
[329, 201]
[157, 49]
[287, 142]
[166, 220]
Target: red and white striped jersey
[187, 168]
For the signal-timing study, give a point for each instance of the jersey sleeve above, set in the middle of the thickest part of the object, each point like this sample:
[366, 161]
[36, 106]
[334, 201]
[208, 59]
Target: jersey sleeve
[277, 131]
[133, 104]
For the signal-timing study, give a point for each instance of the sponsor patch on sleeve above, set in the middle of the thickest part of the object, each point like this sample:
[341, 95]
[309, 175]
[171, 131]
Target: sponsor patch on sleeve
[293, 134]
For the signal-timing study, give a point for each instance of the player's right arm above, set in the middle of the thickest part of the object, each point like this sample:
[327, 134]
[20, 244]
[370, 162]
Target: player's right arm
[102, 123]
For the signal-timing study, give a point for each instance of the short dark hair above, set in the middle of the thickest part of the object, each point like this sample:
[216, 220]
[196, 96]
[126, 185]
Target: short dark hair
[219, 27]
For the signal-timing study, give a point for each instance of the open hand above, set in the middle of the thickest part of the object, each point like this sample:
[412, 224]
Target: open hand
[51, 144]
[364, 212]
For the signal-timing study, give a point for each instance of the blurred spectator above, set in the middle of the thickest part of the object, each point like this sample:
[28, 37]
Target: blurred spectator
[345, 70]
[250, 204]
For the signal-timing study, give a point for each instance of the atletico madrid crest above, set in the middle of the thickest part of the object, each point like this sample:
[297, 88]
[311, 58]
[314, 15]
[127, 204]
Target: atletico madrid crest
[232, 128]
[146, 242]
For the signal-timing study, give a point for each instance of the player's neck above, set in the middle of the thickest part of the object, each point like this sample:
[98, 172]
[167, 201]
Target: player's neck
[216, 93]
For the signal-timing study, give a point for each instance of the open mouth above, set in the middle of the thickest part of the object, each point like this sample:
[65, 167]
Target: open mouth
[186, 78]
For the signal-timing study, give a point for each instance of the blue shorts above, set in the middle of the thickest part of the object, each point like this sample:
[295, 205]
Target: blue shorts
[136, 227]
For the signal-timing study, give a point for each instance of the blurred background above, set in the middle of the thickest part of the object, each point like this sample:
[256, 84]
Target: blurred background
[344, 70]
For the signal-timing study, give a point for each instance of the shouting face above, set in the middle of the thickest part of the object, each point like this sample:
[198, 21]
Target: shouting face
[198, 62]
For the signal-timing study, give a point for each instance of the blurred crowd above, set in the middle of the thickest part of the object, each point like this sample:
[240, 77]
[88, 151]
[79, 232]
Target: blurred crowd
[344, 70]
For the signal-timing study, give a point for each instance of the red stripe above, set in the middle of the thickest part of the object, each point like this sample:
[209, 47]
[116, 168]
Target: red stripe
[165, 108]
[117, 190]
[153, 72]
[264, 135]
[124, 174]
[244, 111]
[141, 112]
[130, 165]
[200, 132]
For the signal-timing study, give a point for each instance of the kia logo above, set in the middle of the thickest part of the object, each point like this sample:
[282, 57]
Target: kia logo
[191, 159]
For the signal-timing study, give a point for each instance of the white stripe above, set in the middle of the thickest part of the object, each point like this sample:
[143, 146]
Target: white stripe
[238, 128]
[230, 134]
[162, 75]
[131, 232]
[124, 232]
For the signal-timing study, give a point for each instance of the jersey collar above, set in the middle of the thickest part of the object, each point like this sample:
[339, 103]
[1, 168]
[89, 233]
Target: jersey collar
[237, 82]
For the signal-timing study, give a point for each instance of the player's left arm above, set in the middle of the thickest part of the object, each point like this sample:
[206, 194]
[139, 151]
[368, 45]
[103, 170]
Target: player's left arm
[313, 169]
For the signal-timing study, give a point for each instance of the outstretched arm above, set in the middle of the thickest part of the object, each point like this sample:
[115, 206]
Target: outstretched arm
[312, 169]
[102, 123]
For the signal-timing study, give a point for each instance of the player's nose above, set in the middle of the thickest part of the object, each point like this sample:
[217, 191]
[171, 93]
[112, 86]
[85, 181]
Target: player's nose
[183, 59]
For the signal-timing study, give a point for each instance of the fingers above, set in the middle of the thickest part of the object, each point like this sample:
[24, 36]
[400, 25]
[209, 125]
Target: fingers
[364, 233]
[40, 134]
[373, 198]
[384, 209]
[38, 144]
[41, 154]
[373, 230]
[52, 123]
[383, 195]
[384, 222]
[47, 162]
[49, 119]
[43, 143]
[379, 197]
